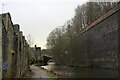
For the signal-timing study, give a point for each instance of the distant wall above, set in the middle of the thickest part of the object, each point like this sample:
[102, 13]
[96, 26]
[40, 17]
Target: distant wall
[98, 43]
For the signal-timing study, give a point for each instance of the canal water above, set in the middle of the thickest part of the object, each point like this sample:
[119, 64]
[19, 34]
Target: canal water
[77, 72]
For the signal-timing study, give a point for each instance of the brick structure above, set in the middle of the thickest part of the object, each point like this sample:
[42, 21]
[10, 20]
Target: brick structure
[97, 45]
[0, 46]
[15, 49]
[98, 42]
[36, 53]
[8, 47]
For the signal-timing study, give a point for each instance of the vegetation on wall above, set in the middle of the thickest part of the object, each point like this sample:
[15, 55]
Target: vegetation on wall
[62, 40]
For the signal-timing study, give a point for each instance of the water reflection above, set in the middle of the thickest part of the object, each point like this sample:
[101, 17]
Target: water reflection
[77, 72]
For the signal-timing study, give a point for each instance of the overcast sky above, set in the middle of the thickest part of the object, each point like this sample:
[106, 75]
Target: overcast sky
[39, 17]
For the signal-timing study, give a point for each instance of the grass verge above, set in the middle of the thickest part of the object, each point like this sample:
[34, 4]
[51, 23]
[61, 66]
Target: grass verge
[52, 75]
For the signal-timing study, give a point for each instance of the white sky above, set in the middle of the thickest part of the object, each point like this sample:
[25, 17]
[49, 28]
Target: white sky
[39, 17]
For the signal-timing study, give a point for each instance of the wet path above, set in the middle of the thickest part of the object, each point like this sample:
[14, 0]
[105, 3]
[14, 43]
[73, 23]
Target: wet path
[38, 72]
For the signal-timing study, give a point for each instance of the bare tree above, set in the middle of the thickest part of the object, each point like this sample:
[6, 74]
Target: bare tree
[65, 42]
[30, 40]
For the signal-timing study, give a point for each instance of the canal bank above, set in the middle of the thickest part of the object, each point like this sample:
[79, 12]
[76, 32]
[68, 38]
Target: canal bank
[80, 72]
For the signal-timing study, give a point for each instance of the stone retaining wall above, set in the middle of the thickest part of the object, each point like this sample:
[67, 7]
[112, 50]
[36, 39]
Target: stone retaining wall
[15, 49]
